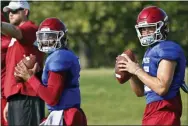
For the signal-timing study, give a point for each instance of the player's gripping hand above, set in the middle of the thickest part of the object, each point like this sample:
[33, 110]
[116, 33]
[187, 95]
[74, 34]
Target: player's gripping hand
[129, 65]
[22, 71]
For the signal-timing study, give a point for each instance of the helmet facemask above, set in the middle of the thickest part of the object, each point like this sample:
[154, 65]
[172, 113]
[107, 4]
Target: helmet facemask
[158, 35]
[49, 41]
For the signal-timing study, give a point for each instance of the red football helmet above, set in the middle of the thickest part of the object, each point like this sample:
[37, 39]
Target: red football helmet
[51, 35]
[152, 16]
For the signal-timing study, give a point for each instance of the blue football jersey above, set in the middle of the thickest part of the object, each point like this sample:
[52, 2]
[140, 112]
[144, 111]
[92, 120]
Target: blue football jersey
[164, 50]
[64, 60]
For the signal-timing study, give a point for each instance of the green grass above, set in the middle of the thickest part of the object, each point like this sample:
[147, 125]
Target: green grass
[106, 102]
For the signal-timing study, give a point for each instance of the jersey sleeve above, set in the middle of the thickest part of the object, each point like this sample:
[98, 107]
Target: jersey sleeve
[29, 33]
[169, 51]
[51, 93]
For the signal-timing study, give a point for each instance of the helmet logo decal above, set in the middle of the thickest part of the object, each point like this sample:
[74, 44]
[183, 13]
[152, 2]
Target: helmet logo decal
[45, 29]
[142, 23]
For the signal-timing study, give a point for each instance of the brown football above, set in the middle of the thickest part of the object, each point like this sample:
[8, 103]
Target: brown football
[29, 61]
[123, 77]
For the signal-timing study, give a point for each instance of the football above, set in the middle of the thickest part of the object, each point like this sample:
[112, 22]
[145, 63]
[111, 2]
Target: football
[29, 61]
[123, 77]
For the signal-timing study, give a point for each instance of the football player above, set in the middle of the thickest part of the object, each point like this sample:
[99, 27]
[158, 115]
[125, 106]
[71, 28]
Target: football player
[60, 78]
[162, 72]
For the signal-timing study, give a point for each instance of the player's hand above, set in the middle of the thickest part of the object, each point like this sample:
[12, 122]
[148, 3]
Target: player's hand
[128, 65]
[22, 71]
[5, 112]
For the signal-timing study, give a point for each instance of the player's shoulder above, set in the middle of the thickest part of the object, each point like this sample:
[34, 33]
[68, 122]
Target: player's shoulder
[59, 60]
[65, 54]
[62, 55]
[169, 50]
[169, 46]
[29, 24]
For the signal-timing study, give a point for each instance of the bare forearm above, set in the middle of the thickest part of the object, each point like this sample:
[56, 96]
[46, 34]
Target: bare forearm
[153, 83]
[137, 86]
[11, 30]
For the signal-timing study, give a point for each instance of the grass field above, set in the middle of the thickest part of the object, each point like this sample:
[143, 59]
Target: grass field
[106, 102]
